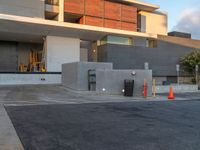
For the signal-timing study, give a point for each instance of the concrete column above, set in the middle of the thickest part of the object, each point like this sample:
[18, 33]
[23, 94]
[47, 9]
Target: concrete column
[61, 50]
[61, 11]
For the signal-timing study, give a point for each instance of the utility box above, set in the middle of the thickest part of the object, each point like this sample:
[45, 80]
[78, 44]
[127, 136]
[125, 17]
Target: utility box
[128, 87]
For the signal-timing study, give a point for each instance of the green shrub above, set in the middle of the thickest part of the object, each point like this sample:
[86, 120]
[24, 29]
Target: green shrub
[189, 61]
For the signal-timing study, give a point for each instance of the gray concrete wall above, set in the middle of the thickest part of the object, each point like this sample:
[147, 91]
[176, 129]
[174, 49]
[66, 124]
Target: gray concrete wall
[8, 56]
[28, 8]
[162, 60]
[70, 75]
[13, 79]
[113, 81]
[75, 75]
[87, 45]
[83, 54]
[137, 41]
[83, 68]
[177, 88]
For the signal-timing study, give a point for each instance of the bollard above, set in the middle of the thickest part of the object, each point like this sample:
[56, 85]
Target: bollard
[154, 87]
[145, 89]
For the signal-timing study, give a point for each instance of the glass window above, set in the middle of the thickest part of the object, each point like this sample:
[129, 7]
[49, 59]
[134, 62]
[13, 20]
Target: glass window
[116, 40]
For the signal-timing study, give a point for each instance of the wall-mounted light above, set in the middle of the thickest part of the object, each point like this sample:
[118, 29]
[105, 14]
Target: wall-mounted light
[94, 51]
[133, 73]
[103, 89]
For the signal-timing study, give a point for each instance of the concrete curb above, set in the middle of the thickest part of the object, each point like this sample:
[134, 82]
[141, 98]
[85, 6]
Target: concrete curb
[8, 136]
[93, 94]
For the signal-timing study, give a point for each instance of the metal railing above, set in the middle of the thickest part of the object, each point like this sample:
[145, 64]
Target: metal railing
[52, 2]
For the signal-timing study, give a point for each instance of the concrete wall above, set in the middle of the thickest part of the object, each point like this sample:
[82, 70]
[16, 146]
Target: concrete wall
[29, 8]
[139, 41]
[60, 50]
[86, 45]
[113, 81]
[156, 22]
[106, 77]
[162, 60]
[8, 57]
[83, 54]
[75, 75]
[177, 88]
[13, 79]
[70, 75]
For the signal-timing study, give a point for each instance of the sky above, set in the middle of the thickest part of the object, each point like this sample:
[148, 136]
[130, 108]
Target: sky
[183, 15]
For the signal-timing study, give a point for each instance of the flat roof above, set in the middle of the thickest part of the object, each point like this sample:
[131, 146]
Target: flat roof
[22, 28]
[140, 5]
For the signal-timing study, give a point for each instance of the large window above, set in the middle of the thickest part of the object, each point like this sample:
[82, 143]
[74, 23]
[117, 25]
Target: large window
[116, 40]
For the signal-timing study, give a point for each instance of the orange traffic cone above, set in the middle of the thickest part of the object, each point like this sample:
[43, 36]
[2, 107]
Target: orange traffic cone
[171, 93]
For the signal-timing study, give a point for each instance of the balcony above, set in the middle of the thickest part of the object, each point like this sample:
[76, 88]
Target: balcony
[51, 9]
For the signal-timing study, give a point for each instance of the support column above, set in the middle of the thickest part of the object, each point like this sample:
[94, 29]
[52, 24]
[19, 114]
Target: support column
[61, 11]
[61, 50]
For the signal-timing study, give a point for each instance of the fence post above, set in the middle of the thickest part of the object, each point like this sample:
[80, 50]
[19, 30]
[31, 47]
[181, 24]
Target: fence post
[196, 71]
[154, 87]
[177, 70]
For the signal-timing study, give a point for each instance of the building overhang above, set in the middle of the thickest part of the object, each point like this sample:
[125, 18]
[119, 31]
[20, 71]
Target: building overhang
[140, 5]
[25, 27]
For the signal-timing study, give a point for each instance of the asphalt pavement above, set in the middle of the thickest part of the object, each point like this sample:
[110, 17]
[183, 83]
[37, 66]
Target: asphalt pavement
[145, 125]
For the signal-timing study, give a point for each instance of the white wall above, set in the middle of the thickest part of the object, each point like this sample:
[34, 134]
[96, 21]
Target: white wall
[155, 22]
[61, 50]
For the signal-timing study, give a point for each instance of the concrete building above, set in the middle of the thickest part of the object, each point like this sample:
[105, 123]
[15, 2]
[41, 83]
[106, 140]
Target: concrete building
[38, 35]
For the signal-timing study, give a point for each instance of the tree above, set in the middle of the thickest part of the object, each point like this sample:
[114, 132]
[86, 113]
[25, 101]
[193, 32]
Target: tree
[189, 61]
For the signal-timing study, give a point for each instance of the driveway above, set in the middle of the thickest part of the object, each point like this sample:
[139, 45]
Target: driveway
[164, 125]
[49, 117]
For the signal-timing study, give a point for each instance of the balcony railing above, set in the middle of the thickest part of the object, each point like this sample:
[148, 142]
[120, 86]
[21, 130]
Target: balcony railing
[52, 2]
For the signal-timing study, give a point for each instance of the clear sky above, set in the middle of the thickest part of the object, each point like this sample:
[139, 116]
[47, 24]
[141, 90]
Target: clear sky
[183, 15]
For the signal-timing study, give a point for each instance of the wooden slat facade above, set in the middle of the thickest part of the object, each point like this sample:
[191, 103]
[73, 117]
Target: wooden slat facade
[93, 21]
[104, 13]
[112, 10]
[74, 6]
[115, 24]
[128, 26]
[94, 8]
[128, 13]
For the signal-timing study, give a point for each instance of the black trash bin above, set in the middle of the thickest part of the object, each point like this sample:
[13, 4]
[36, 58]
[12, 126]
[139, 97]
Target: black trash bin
[128, 87]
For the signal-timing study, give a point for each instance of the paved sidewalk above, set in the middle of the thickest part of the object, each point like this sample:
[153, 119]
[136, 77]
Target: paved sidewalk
[8, 139]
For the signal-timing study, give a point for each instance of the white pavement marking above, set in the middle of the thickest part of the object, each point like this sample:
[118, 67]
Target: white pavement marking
[8, 136]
